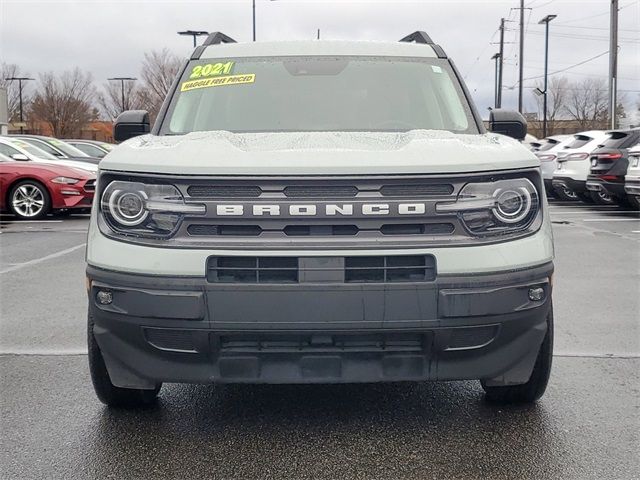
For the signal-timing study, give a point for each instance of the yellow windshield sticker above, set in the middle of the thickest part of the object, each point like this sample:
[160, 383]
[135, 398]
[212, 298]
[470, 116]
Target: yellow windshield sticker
[218, 81]
[211, 70]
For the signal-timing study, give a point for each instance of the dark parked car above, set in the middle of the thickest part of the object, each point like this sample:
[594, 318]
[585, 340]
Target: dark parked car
[57, 148]
[609, 164]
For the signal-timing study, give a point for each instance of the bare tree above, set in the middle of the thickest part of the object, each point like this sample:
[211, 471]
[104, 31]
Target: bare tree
[10, 70]
[587, 103]
[65, 102]
[557, 93]
[111, 98]
[159, 69]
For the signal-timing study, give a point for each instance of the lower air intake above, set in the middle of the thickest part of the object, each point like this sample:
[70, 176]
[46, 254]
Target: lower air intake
[390, 269]
[252, 270]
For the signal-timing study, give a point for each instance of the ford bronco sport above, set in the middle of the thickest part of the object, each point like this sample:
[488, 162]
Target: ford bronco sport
[319, 212]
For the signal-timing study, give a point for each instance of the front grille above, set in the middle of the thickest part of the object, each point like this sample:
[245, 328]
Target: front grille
[252, 270]
[224, 191]
[231, 230]
[390, 269]
[204, 230]
[319, 213]
[90, 186]
[418, 190]
[320, 191]
[369, 269]
[323, 343]
[417, 229]
[319, 230]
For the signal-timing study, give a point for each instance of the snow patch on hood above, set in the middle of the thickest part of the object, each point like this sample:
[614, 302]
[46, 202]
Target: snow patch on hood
[293, 153]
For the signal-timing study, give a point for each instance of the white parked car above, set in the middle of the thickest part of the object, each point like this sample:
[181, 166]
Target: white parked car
[632, 179]
[570, 177]
[23, 151]
[547, 152]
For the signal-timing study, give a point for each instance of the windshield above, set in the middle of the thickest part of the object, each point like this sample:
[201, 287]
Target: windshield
[67, 149]
[274, 94]
[33, 150]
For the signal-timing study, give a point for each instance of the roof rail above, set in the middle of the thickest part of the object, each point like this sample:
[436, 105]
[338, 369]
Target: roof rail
[418, 37]
[217, 38]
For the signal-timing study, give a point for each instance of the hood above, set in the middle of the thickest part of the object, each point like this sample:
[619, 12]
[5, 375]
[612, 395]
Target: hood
[89, 167]
[318, 153]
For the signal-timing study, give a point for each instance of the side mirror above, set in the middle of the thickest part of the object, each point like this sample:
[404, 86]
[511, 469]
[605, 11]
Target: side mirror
[131, 123]
[508, 123]
[21, 157]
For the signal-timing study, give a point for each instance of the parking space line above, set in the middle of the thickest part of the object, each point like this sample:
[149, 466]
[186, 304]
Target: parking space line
[39, 221]
[13, 268]
[596, 355]
[611, 219]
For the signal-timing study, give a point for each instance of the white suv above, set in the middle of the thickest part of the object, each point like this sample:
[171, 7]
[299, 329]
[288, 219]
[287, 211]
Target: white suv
[319, 212]
[570, 178]
[547, 152]
[632, 179]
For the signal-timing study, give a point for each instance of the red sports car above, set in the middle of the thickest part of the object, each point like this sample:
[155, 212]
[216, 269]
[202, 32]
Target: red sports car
[30, 190]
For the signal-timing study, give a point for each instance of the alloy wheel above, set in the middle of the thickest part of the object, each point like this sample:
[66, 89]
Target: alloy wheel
[28, 200]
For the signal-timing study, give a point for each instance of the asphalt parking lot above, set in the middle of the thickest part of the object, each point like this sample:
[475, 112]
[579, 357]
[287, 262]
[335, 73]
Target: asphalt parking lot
[586, 427]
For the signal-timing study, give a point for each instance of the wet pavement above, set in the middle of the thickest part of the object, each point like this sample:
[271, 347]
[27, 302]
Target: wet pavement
[586, 426]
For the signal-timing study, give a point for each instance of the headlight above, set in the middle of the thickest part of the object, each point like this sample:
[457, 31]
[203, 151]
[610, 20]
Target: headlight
[65, 180]
[494, 208]
[147, 210]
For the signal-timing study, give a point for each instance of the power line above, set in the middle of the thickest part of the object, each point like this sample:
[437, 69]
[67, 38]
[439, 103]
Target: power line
[594, 16]
[561, 70]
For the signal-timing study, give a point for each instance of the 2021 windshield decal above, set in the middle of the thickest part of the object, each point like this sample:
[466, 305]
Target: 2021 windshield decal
[211, 70]
[218, 81]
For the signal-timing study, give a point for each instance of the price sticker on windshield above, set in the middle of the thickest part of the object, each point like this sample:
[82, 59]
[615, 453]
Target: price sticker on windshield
[218, 81]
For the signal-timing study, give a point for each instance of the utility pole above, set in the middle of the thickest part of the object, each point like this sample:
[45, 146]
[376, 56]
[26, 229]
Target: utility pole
[496, 57]
[194, 34]
[254, 20]
[520, 57]
[122, 80]
[546, 21]
[318, 34]
[613, 63]
[501, 53]
[20, 80]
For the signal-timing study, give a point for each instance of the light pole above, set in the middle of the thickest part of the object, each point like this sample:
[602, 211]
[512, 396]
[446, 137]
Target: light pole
[194, 34]
[253, 5]
[20, 80]
[254, 20]
[496, 101]
[546, 21]
[122, 80]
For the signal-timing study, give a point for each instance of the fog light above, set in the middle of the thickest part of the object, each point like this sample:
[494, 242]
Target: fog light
[536, 294]
[105, 297]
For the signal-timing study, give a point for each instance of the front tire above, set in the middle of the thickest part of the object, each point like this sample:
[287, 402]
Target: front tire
[29, 200]
[537, 384]
[106, 391]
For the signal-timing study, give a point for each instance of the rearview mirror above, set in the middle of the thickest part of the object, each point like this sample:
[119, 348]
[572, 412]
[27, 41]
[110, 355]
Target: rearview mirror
[21, 157]
[131, 123]
[508, 123]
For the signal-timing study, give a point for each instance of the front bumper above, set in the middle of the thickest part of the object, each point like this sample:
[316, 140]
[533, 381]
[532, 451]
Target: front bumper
[173, 329]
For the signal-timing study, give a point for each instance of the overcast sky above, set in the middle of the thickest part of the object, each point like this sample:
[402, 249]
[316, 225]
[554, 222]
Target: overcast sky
[108, 38]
